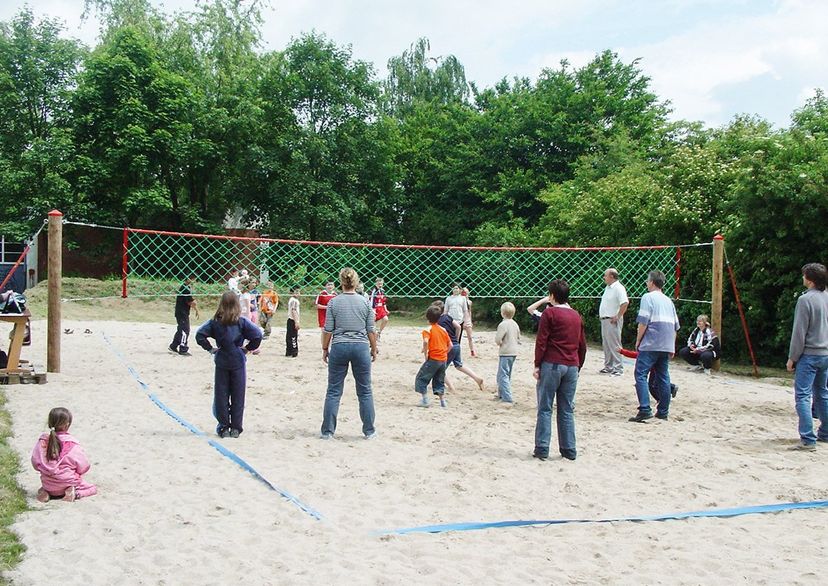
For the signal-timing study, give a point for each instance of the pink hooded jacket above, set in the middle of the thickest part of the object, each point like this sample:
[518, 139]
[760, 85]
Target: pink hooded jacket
[58, 475]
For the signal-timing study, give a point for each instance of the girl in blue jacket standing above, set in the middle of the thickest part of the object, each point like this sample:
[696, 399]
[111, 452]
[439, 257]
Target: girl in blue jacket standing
[230, 332]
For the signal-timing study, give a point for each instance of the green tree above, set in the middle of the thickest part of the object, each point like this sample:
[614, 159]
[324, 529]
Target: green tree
[326, 168]
[37, 72]
[133, 131]
[414, 77]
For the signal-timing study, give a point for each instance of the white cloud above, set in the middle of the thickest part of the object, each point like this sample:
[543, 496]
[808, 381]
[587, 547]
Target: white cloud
[689, 68]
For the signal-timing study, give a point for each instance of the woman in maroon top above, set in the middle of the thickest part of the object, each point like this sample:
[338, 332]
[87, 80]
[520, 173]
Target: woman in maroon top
[560, 350]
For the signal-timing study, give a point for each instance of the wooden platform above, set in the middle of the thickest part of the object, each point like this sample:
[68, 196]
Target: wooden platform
[25, 375]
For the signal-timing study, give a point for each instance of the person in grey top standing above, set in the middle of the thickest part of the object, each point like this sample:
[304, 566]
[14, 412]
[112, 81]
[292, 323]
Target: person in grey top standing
[348, 338]
[614, 303]
[808, 356]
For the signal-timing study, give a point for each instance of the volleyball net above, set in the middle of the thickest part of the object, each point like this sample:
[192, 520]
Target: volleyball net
[153, 264]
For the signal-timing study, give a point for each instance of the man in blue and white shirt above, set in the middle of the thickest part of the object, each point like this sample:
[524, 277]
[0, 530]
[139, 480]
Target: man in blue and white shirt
[656, 344]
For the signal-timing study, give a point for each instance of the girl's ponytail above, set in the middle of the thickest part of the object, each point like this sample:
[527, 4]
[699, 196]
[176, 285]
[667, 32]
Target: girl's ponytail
[53, 445]
[59, 420]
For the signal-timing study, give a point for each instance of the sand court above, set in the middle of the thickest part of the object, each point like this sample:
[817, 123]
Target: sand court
[171, 509]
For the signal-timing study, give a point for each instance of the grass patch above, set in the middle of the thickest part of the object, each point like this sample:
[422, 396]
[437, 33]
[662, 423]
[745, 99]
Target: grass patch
[12, 500]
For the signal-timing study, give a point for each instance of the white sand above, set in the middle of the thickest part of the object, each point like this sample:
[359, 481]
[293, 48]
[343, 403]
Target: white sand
[172, 510]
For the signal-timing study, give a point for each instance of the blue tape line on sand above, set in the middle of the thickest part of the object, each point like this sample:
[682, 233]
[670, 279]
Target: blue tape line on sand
[735, 512]
[229, 454]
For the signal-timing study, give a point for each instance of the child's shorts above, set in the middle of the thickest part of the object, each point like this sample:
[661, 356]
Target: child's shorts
[454, 356]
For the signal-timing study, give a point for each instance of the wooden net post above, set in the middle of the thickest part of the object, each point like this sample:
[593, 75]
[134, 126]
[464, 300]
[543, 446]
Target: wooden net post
[716, 296]
[55, 268]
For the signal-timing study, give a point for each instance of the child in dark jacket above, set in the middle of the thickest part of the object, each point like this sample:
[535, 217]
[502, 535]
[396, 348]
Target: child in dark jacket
[230, 332]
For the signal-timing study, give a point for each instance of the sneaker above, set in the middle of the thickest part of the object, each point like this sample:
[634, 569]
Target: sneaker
[803, 447]
[540, 455]
[172, 349]
[699, 368]
[661, 416]
[423, 402]
[69, 496]
[823, 440]
[185, 353]
[707, 371]
[605, 370]
[641, 417]
[326, 436]
[673, 390]
[442, 402]
[234, 433]
[616, 373]
[223, 432]
[372, 435]
[42, 495]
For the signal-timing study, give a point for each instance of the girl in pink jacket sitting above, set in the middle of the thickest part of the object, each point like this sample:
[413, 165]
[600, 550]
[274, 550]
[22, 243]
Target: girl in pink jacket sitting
[61, 461]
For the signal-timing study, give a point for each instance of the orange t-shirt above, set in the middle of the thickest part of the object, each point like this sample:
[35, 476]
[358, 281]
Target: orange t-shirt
[438, 342]
[269, 302]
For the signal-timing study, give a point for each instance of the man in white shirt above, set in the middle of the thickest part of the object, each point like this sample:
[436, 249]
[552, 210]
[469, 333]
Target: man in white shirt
[614, 303]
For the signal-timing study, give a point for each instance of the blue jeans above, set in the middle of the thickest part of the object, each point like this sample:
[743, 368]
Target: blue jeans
[434, 372]
[358, 356]
[810, 382]
[504, 378]
[557, 384]
[659, 361]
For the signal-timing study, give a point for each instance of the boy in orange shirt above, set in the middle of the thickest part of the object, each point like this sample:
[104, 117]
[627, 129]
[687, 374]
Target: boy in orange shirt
[436, 344]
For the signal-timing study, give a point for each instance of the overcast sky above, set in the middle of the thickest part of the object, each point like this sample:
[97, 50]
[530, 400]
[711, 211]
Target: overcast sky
[712, 59]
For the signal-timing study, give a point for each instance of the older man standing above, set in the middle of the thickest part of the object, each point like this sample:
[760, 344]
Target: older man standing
[614, 303]
[808, 356]
[656, 344]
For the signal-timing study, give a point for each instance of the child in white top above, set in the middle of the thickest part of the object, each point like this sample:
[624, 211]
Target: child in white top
[507, 338]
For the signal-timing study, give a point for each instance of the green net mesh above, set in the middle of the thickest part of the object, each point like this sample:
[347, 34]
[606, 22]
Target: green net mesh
[157, 261]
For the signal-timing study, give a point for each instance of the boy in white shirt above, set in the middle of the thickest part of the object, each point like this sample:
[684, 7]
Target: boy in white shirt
[507, 338]
[292, 333]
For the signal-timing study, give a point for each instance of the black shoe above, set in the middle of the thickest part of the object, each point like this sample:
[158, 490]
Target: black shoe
[233, 433]
[822, 440]
[173, 349]
[223, 432]
[641, 417]
[542, 456]
[569, 455]
[661, 416]
[673, 390]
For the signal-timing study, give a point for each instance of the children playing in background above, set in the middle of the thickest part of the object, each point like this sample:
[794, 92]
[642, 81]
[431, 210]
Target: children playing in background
[268, 303]
[61, 461]
[322, 300]
[436, 344]
[244, 298]
[254, 301]
[230, 331]
[292, 331]
[455, 354]
[379, 303]
[507, 339]
[467, 321]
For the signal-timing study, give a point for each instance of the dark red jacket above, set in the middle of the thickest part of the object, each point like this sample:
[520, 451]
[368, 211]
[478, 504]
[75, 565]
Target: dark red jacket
[561, 338]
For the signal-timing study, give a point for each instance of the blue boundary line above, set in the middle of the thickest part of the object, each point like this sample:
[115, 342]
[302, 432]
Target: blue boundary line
[471, 526]
[723, 513]
[221, 449]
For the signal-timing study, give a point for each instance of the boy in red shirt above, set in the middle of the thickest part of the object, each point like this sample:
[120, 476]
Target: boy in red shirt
[322, 300]
[436, 344]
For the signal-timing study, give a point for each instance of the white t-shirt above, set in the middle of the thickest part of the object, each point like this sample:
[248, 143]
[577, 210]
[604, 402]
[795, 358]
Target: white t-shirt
[614, 297]
[245, 304]
[233, 284]
[456, 306]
